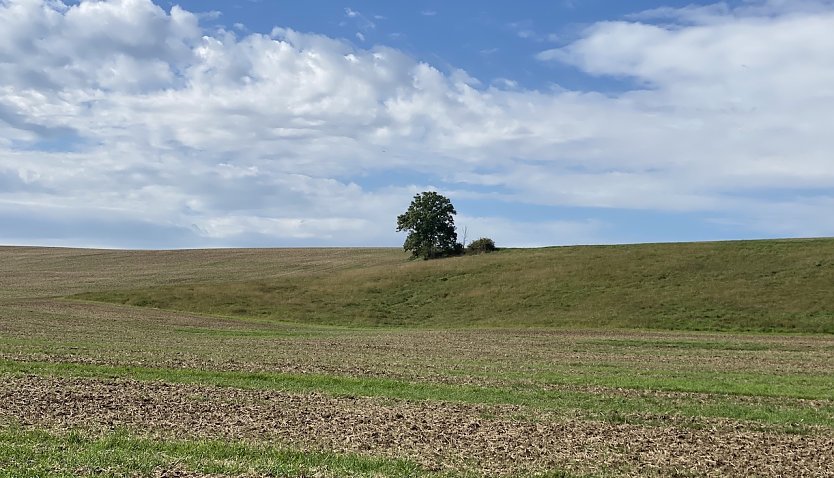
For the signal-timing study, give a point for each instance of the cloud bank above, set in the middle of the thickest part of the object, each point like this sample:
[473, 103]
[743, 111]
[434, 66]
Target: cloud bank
[126, 125]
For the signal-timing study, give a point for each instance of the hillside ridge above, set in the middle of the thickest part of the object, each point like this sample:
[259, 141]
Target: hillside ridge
[766, 286]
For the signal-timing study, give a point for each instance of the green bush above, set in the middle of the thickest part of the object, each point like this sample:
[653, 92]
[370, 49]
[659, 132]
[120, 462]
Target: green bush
[480, 246]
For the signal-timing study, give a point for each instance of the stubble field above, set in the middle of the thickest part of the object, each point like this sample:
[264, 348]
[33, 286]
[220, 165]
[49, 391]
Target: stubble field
[181, 363]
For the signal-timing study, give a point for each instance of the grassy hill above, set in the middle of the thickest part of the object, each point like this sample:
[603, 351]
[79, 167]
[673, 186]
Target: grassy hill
[770, 286]
[55, 271]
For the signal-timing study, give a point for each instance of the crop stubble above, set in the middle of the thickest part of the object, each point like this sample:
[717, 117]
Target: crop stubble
[121, 333]
[488, 439]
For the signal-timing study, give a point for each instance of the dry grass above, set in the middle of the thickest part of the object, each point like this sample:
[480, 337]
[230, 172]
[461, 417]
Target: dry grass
[49, 272]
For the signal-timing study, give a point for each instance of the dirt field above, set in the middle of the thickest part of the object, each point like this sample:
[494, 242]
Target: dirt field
[458, 402]
[438, 435]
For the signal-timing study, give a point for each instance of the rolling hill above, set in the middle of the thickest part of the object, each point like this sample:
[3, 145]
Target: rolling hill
[767, 286]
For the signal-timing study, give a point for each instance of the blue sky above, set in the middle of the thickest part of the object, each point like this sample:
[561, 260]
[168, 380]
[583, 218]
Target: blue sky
[490, 40]
[129, 123]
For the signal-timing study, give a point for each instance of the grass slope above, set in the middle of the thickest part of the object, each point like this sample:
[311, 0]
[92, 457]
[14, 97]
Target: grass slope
[767, 286]
[53, 271]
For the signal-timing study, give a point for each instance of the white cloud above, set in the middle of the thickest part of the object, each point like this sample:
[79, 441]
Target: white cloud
[524, 29]
[362, 21]
[222, 136]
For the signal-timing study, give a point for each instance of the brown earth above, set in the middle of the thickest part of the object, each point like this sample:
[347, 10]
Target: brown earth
[177, 340]
[493, 440]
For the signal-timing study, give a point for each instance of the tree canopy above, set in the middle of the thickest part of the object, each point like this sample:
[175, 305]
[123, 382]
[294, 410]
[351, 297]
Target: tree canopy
[430, 223]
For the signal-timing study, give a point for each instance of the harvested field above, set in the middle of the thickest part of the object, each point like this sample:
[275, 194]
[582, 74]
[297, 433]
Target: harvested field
[487, 439]
[111, 389]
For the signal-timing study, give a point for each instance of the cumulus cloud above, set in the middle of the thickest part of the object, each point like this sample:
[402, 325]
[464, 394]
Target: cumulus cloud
[121, 112]
[730, 105]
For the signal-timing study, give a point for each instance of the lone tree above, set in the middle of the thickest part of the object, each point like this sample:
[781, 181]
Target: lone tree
[431, 226]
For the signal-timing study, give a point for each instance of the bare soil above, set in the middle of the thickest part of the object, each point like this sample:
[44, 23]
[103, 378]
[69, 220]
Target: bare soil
[493, 440]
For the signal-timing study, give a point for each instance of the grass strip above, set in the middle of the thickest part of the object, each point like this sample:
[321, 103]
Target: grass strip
[36, 453]
[801, 386]
[28, 453]
[596, 405]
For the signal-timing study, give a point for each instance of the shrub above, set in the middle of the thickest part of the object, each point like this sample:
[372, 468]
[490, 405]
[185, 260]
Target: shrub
[480, 246]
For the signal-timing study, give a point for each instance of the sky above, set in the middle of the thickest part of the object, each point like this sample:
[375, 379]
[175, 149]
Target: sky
[255, 123]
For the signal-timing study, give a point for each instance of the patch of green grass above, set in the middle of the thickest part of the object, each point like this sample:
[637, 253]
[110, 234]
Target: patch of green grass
[38, 454]
[243, 333]
[32, 453]
[597, 405]
[763, 286]
[696, 381]
[688, 344]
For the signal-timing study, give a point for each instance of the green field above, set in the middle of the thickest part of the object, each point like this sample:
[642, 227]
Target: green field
[646, 360]
[763, 286]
